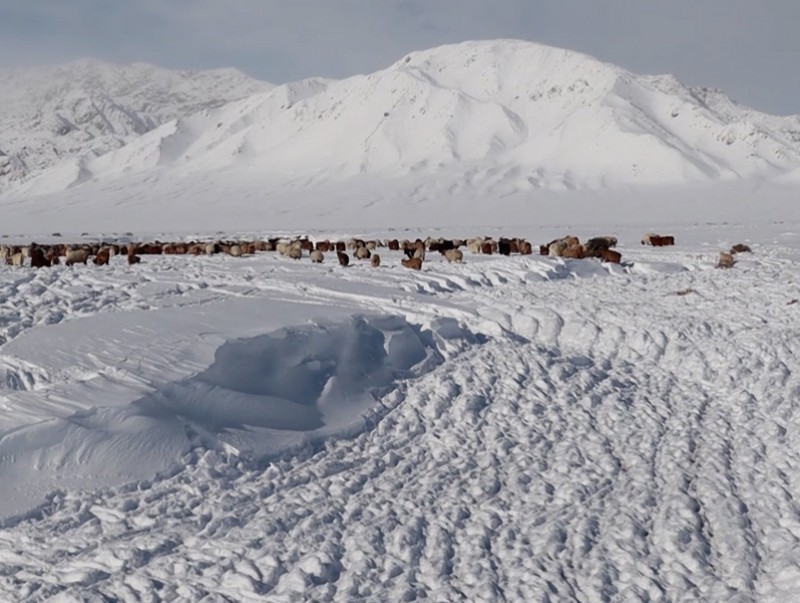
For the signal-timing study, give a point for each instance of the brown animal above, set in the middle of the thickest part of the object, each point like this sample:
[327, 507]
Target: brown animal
[375, 260]
[486, 248]
[343, 258]
[609, 255]
[133, 258]
[38, 258]
[597, 244]
[525, 248]
[102, 257]
[657, 240]
[413, 263]
[740, 248]
[544, 249]
[393, 245]
[576, 252]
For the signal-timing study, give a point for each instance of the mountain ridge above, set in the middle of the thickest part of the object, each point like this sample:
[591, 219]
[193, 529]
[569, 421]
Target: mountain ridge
[504, 115]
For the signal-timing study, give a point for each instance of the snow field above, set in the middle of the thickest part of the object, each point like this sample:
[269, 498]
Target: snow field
[543, 429]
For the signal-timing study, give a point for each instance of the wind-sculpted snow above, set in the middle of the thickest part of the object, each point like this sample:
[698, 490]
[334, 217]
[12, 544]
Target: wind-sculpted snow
[519, 429]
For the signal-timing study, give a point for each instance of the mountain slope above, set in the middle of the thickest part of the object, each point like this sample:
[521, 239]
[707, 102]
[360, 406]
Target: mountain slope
[505, 112]
[88, 108]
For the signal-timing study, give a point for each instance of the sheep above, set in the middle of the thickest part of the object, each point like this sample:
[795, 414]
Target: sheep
[597, 244]
[525, 248]
[413, 263]
[475, 245]
[38, 258]
[577, 252]
[295, 253]
[740, 248]
[316, 256]
[454, 255]
[609, 255]
[16, 259]
[657, 240]
[235, 251]
[375, 260]
[102, 257]
[75, 256]
[725, 260]
[133, 259]
[362, 253]
[343, 258]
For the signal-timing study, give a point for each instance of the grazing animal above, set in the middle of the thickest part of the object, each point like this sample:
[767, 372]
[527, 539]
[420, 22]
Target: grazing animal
[575, 252]
[413, 263]
[102, 257]
[609, 255]
[474, 245]
[362, 253]
[295, 253]
[76, 256]
[52, 256]
[486, 248]
[343, 258]
[133, 258]
[16, 259]
[657, 240]
[525, 248]
[597, 244]
[316, 256]
[725, 260]
[544, 249]
[740, 248]
[375, 260]
[38, 258]
[454, 255]
[235, 251]
[504, 247]
[393, 245]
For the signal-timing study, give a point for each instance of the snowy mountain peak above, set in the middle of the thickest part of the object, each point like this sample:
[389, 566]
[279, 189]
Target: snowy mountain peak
[499, 117]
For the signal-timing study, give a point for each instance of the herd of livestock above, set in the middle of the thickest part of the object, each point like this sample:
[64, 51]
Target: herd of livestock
[414, 252]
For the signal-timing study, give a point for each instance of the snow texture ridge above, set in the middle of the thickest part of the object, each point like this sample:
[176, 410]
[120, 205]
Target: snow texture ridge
[552, 429]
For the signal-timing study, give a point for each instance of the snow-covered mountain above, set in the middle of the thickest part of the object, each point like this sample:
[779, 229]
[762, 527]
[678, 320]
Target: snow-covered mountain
[64, 113]
[503, 115]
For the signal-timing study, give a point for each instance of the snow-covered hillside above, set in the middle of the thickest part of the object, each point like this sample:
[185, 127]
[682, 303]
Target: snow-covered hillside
[64, 113]
[530, 115]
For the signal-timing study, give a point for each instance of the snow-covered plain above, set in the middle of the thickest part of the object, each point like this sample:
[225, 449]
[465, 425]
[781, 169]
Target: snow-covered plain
[511, 428]
[519, 429]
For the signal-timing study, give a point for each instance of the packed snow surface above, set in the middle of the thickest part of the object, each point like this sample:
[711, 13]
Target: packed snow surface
[520, 429]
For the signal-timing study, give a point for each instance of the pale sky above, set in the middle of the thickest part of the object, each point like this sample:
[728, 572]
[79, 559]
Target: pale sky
[748, 48]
